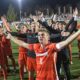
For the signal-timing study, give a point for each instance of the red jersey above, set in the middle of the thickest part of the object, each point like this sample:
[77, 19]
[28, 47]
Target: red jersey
[22, 49]
[44, 61]
[1, 52]
[22, 54]
[6, 41]
[6, 45]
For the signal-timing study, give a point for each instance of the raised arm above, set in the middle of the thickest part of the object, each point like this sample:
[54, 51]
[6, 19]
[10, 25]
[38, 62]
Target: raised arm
[62, 44]
[68, 24]
[73, 27]
[16, 34]
[49, 28]
[17, 41]
[6, 24]
[44, 23]
[72, 22]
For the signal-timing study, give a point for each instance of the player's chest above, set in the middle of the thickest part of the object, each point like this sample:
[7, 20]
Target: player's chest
[42, 55]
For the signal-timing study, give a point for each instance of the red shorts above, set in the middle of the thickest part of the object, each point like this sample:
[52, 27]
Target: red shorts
[46, 75]
[7, 51]
[22, 58]
[31, 64]
[2, 60]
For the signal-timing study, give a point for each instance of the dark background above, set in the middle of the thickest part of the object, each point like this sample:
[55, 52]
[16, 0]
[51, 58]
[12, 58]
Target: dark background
[27, 4]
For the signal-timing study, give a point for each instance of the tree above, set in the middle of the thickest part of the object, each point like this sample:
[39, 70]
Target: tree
[11, 14]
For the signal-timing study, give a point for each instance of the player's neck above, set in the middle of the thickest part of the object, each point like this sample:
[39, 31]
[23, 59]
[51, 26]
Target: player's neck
[44, 44]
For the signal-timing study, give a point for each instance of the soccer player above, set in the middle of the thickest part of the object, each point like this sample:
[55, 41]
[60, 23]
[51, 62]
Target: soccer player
[8, 52]
[31, 61]
[58, 35]
[44, 51]
[7, 48]
[2, 60]
[22, 58]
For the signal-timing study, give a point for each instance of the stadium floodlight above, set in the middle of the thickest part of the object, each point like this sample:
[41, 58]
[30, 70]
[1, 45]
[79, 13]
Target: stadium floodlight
[19, 1]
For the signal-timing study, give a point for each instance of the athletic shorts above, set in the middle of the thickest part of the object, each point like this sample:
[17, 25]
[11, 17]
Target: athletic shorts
[31, 64]
[2, 61]
[7, 51]
[22, 58]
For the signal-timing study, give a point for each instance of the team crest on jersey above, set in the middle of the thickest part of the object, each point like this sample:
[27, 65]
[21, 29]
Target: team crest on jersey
[41, 55]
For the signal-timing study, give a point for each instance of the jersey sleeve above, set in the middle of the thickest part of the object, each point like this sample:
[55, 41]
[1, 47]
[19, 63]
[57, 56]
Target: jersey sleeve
[53, 47]
[31, 47]
[4, 39]
[36, 47]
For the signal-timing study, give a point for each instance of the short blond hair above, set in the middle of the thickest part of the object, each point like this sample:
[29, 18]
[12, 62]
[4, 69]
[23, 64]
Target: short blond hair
[43, 30]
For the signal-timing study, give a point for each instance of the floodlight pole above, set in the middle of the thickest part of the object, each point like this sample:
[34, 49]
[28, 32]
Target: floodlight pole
[20, 11]
[20, 14]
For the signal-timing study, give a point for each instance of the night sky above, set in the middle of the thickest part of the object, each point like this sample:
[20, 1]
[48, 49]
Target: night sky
[32, 3]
